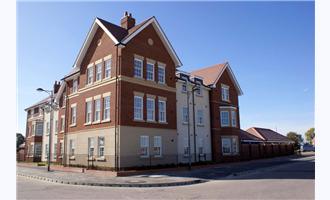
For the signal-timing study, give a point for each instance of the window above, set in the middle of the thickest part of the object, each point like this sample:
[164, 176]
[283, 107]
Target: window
[46, 150]
[161, 74]
[150, 71]
[39, 128]
[144, 146]
[56, 126]
[161, 111]
[184, 87]
[150, 109]
[37, 150]
[35, 110]
[199, 90]
[72, 147]
[88, 111]
[97, 109]
[225, 92]
[90, 74]
[47, 128]
[62, 123]
[200, 146]
[185, 115]
[31, 150]
[185, 147]
[138, 68]
[200, 117]
[90, 147]
[233, 118]
[224, 118]
[107, 68]
[75, 86]
[73, 115]
[106, 108]
[55, 151]
[101, 146]
[99, 72]
[157, 146]
[138, 108]
[229, 145]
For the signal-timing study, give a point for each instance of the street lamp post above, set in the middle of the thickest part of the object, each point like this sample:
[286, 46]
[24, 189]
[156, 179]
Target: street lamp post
[51, 107]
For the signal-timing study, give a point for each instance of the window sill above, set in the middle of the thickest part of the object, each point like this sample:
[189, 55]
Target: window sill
[88, 123]
[163, 122]
[151, 121]
[91, 158]
[139, 77]
[73, 125]
[158, 156]
[96, 122]
[139, 120]
[105, 120]
[62, 132]
[201, 125]
[144, 156]
[185, 123]
[72, 158]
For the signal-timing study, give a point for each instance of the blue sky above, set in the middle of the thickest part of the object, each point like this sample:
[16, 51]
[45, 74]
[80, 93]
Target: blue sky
[269, 45]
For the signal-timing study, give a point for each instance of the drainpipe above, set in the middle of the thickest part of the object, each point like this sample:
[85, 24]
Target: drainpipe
[188, 131]
[194, 125]
[116, 114]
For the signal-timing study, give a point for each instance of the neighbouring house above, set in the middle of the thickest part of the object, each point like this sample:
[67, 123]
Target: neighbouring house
[193, 118]
[34, 131]
[224, 110]
[121, 97]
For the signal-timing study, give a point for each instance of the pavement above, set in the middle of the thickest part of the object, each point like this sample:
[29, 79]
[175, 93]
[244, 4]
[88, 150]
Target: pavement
[162, 178]
[291, 180]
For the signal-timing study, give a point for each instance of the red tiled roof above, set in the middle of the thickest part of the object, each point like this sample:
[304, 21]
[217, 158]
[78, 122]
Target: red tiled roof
[209, 74]
[267, 134]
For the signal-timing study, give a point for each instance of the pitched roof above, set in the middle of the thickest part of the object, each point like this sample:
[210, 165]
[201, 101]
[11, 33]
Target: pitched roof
[43, 101]
[268, 134]
[248, 136]
[212, 74]
[121, 36]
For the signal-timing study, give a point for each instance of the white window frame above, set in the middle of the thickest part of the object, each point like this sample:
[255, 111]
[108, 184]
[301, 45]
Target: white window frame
[184, 88]
[100, 146]
[75, 86]
[73, 115]
[185, 117]
[221, 118]
[91, 147]
[106, 108]
[98, 72]
[233, 118]
[72, 147]
[97, 110]
[150, 111]
[136, 110]
[157, 144]
[107, 68]
[88, 113]
[159, 75]
[141, 68]
[90, 75]
[150, 73]
[160, 111]
[39, 131]
[200, 117]
[225, 92]
[233, 145]
[144, 143]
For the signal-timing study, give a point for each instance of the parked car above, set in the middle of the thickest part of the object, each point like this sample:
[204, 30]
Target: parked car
[307, 147]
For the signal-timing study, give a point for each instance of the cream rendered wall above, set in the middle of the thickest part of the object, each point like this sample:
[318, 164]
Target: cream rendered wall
[202, 132]
[80, 139]
[129, 147]
[45, 136]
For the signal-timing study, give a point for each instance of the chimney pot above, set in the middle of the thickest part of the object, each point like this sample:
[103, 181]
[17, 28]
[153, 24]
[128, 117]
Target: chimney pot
[127, 21]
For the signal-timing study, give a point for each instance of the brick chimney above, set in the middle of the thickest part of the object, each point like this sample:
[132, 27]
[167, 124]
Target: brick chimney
[56, 86]
[127, 21]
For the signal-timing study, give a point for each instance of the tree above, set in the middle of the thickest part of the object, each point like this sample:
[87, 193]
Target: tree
[19, 140]
[296, 138]
[309, 135]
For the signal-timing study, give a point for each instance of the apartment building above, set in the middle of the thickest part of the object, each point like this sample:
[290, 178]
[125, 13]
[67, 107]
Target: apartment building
[34, 131]
[193, 118]
[224, 110]
[121, 97]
